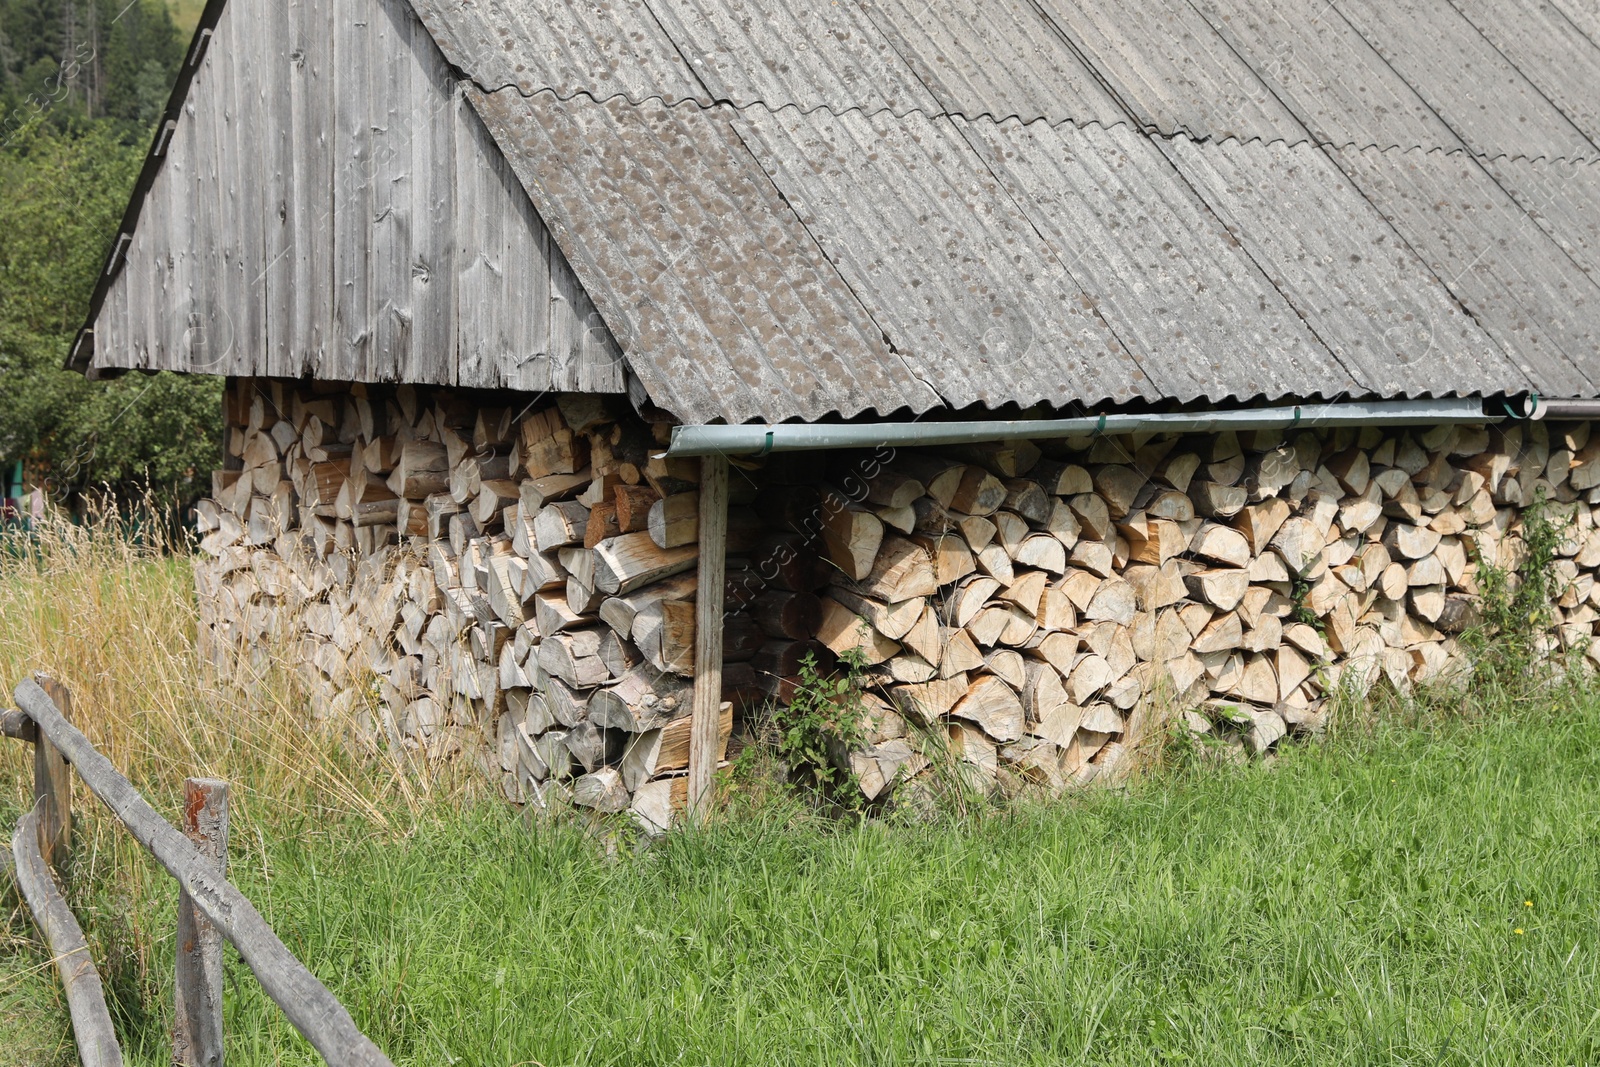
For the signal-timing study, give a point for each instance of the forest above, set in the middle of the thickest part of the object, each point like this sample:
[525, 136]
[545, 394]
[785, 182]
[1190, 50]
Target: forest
[82, 85]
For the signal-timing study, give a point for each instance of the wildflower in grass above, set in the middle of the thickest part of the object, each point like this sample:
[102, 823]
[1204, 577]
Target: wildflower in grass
[1518, 930]
[1527, 903]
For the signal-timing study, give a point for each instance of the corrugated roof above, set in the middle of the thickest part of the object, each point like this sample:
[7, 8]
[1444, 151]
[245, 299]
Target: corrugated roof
[1364, 291]
[1534, 301]
[1001, 58]
[1549, 50]
[1563, 198]
[724, 304]
[1157, 264]
[810, 55]
[1491, 104]
[568, 47]
[1327, 74]
[1172, 70]
[950, 269]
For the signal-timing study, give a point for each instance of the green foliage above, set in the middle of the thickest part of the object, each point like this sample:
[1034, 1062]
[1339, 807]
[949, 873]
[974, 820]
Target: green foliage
[823, 722]
[1362, 903]
[105, 61]
[1517, 606]
[66, 183]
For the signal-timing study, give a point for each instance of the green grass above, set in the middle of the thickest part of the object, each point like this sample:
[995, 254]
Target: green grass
[1358, 902]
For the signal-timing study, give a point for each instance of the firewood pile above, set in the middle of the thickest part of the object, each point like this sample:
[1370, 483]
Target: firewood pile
[526, 577]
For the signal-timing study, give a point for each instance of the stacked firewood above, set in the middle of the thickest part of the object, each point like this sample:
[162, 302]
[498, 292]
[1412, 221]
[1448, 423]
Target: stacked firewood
[521, 581]
[1045, 604]
[524, 576]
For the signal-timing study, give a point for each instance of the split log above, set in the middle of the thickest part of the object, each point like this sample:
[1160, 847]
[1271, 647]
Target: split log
[423, 469]
[664, 633]
[978, 493]
[632, 561]
[1217, 500]
[903, 570]
[634, 504]
[1118, 486]
[894, 621]
[666, 750]
[994, 707]
[851, 537]
[1222, 589]
[642, 699]
[601, 790]
[561, 524]
[842, 630]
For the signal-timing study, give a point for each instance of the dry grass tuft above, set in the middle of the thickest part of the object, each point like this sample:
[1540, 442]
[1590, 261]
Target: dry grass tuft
[107, 606]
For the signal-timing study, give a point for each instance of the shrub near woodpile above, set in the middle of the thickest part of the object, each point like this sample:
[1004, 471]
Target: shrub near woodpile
[518, 580]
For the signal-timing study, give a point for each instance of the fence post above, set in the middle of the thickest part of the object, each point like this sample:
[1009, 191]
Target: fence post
[197, 1020]
[52, 782]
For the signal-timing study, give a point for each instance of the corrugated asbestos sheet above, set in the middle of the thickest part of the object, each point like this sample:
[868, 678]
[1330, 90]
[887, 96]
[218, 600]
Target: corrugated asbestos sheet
[1535, 302]
[1549, 50]
[1563, 198]
[1470, 84]
[1172, 70]
[1359, 285]
[615, 48]
[869, 206]
[1156, 262]
[1001, 58]
[723, 302]
[950, 268]
[1327, 73]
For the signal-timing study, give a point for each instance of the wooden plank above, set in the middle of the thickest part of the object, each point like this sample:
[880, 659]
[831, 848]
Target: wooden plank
[176, 184]
[243, 44]
[311, 184]
[210, 339]
[275, 172]
[92, 1031]
[312, 1010]
[480, 280]
[708, 630]
[393, 141]
[52, 782]
[351, 345]
[146, 263]
[566, 326]
[433, 274]
[197, 984]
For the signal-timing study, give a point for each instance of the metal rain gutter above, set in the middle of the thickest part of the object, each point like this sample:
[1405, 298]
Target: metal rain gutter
[795, 437]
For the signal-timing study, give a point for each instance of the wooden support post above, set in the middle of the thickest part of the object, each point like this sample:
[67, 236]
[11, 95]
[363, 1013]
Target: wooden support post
[197, 1020]
[52, 782]
[708, 630]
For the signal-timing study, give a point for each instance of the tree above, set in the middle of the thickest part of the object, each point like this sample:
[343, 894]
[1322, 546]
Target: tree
[65, 193]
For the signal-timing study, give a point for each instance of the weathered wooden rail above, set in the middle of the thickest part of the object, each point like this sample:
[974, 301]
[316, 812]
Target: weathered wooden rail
[210, 909]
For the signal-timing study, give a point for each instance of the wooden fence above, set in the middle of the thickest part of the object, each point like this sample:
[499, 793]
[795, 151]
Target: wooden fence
[210, 909]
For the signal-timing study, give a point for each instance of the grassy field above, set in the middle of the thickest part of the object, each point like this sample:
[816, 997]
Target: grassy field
[1422, 889]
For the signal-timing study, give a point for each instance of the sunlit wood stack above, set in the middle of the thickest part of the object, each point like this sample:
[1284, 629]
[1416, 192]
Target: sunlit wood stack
[520, 582]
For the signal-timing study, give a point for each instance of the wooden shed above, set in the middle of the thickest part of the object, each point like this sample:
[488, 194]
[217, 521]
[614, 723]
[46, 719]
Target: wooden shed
[1081, 364]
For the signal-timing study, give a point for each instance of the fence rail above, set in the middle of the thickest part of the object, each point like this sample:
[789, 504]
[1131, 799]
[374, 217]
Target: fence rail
[209, 906]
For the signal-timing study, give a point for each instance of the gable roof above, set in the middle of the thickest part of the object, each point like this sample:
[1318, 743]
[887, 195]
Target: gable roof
[800, 210]
[872, 206]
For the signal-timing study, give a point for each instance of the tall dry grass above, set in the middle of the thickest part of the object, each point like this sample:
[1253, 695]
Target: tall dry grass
[107, 605]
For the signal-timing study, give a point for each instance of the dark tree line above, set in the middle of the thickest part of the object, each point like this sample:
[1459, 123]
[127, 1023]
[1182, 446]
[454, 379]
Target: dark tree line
[82, 83]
